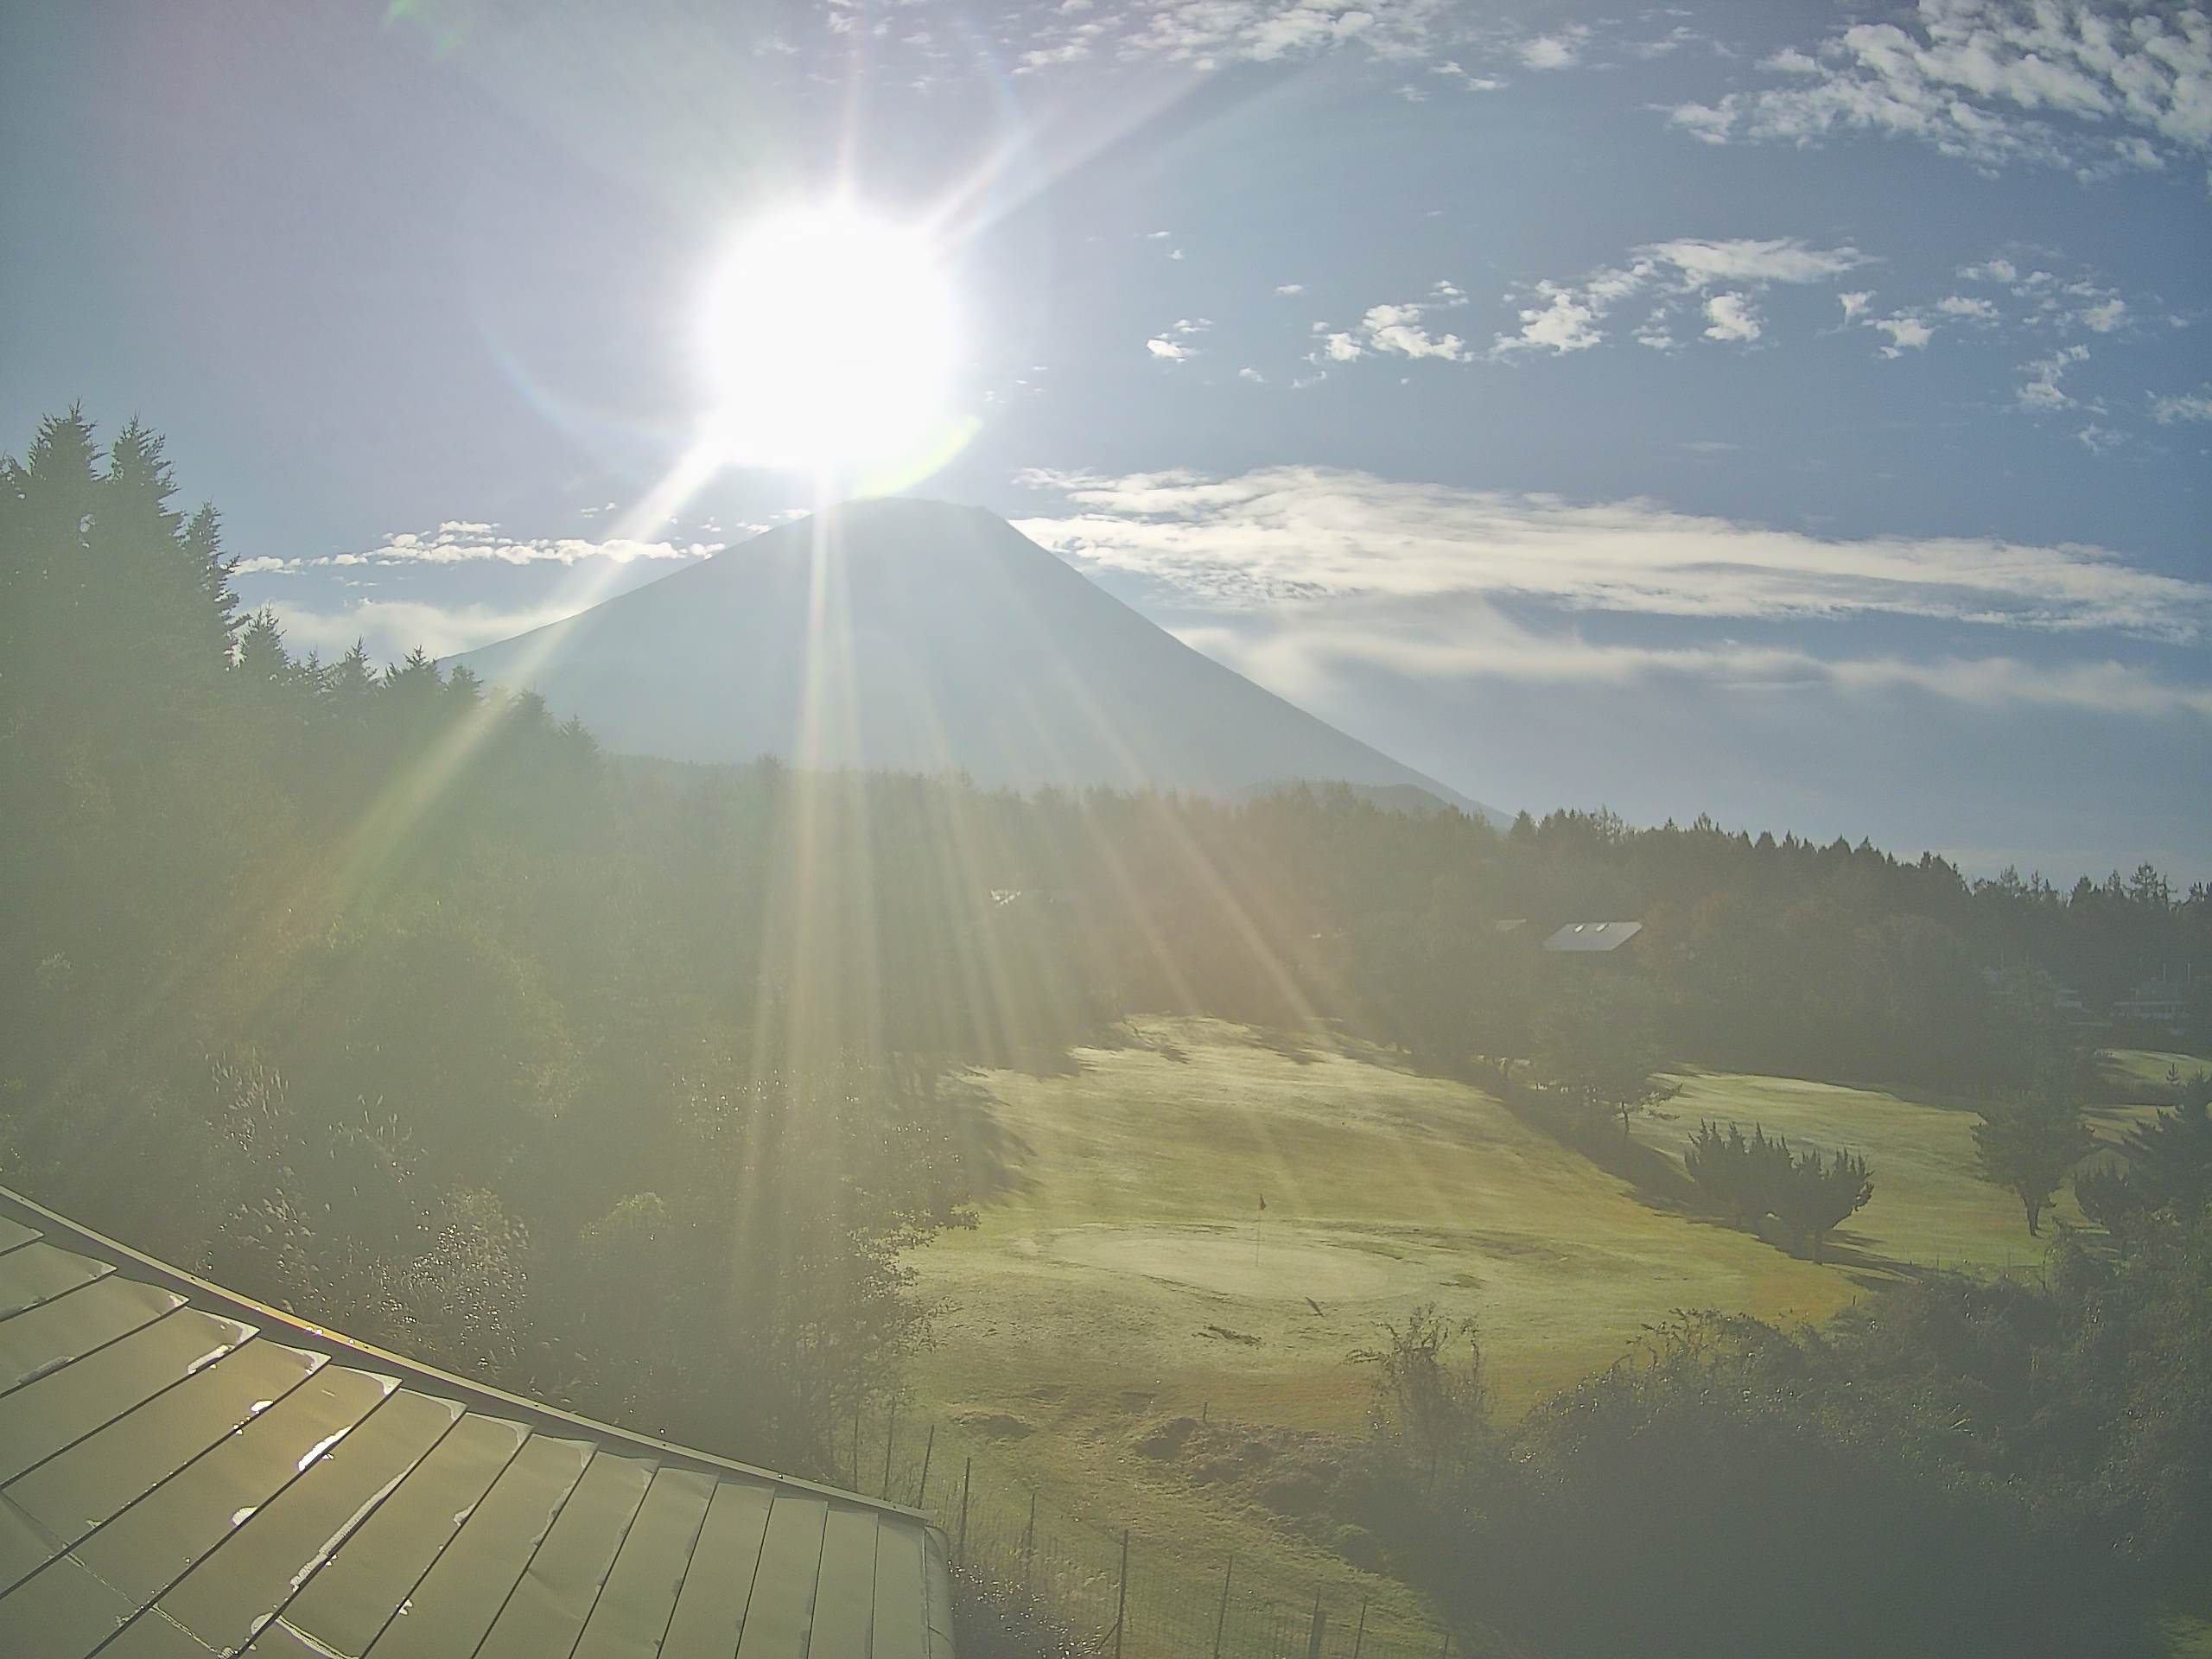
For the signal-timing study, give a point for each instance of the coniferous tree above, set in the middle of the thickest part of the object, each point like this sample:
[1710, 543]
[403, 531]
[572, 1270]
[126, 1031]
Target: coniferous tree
[1814, 1195]
[2171, 1156]
[2111, 1196]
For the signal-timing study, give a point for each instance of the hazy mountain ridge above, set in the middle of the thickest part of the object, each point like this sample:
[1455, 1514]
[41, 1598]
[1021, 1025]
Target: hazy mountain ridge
[921, 636]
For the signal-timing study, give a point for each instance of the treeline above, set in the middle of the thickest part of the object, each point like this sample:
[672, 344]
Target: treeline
[383, 996]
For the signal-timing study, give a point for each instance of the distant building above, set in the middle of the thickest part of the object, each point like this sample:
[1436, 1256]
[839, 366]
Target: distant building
[189, 1472]
[1583, 938]
[2160, 1002]
[2066, 1001]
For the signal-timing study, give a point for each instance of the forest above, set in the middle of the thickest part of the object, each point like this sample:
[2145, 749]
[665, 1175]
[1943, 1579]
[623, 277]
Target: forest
[383, 996]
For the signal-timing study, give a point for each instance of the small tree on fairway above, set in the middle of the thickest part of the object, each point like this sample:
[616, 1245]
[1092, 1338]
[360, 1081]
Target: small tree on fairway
[1818, 1194]
[2029, 1147]
[1743, 1175]
[1808, 1193]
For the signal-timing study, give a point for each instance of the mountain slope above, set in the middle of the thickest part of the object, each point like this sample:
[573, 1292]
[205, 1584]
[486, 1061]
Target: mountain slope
[918, 636]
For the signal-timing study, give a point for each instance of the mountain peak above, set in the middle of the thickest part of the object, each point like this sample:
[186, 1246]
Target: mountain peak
[911, 634]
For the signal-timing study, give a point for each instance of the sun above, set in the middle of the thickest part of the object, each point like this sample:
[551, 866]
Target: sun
[828, 343]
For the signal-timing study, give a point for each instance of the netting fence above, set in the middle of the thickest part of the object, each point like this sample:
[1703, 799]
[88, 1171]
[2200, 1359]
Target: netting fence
[1114, 1593]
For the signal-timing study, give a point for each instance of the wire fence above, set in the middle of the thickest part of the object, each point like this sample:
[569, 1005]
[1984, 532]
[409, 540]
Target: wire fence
[1115, 1594]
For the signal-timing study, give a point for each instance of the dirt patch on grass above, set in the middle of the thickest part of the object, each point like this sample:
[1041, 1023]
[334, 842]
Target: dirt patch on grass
[998, 1425]
[1269, 1262]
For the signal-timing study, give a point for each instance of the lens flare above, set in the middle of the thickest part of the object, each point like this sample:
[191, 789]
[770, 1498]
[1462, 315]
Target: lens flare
[828, 340]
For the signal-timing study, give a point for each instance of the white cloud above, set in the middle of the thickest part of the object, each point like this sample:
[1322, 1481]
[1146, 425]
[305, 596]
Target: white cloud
[1399, 328]
[1972, 307]
[2106, 316]
[1166, 348]
[1290, 287]
[2041, 391]
[2100, 439]
[1749, 260]
[1204, 33]
[2183, 406]
[1558, 50]
[1300, 534]
[1566, 322]
[1565, 317]
[1731, 317]
[1253, 375]
[1854, 303]
[459, 541]
[1653, 332]
[1907, 334]
[2096, 86]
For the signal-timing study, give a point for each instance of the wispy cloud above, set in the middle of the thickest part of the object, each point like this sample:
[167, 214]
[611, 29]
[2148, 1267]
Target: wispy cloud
[1298, 533]
[2042, 392]
[1206, 34]
[459, 541]
[1300, 652]
[2182, 406]
[1307, 571]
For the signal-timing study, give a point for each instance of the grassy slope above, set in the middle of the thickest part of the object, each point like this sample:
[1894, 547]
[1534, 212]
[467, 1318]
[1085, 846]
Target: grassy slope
[1129, 1273]
[1929, 1204]
[2139, 1075]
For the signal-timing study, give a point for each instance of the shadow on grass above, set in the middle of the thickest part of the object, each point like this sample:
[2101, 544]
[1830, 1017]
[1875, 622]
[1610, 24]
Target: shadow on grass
[996, 1159]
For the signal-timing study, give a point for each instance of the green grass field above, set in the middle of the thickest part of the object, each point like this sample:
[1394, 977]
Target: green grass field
[2139, 1076]
[1129, 1272]
[1929, 1208]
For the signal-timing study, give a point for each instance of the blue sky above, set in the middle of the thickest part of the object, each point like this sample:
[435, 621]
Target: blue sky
[1796, 412]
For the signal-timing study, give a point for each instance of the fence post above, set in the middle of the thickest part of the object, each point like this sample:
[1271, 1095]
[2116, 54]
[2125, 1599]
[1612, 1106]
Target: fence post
[1320, 1629]
[1029, 1541]
[1360, 1635]
[929, 1450]
[1445, 1652]
[1122, 1599]
[890, 1434]
[967, 1470]
[1221, 1619]
[856, 1440]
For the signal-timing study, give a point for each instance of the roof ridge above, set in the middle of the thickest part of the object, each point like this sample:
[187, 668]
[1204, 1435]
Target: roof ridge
[537, 1414]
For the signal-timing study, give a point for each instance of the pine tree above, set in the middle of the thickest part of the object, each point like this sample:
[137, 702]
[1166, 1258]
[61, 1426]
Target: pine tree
[2171, 1157]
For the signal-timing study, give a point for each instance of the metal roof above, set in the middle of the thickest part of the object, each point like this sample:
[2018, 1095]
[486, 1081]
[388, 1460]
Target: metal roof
[1593, 936]
[185, 1473]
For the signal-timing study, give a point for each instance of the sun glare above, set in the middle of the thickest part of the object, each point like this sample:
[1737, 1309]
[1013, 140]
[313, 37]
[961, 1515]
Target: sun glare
[828, 343]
